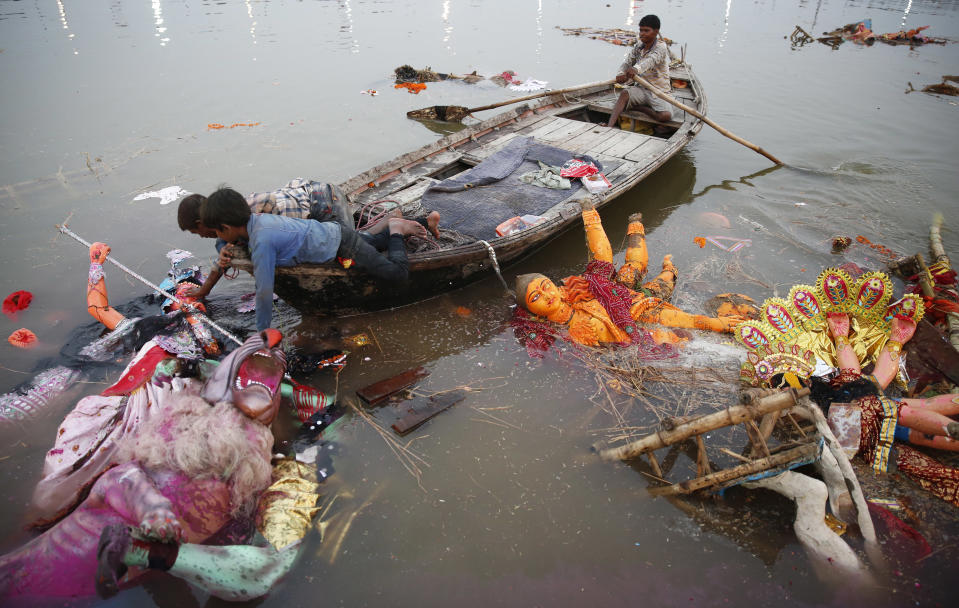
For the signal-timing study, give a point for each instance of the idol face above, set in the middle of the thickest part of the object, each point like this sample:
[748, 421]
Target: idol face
[543, 297]
[256, 388]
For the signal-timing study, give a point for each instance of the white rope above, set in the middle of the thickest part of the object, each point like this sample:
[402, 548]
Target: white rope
[492, 257]
[186, 307]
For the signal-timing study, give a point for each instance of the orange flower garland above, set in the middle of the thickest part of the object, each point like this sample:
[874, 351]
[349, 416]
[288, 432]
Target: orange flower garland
[411, 87]
[880, 248]
[23, 338]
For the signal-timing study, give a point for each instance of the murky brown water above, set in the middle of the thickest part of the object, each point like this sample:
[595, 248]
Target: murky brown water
[103, 101]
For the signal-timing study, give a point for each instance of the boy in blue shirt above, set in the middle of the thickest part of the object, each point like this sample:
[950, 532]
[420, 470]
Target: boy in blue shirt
[275, 240]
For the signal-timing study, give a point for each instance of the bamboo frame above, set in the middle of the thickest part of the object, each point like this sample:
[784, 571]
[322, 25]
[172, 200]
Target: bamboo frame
[728, 417]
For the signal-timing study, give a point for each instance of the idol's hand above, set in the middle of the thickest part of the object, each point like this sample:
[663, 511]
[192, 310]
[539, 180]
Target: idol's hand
[99, 253]
[161, 524]
[838, 324]
[901, 329]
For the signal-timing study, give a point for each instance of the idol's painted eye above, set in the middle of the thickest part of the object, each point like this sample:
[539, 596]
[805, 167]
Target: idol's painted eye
[534, 297]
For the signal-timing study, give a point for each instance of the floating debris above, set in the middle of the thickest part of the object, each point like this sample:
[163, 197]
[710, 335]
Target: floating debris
[840, 243]
[166, 195]
[861, 32]
[411, 87]
[215, 126]
[23, 338]
[15, 302]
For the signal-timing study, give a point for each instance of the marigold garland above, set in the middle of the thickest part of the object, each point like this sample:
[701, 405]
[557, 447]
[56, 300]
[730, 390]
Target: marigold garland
[23, 338]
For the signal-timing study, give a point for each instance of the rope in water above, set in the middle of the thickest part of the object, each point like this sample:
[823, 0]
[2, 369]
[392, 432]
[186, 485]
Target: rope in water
[492, 257]
[187, 307]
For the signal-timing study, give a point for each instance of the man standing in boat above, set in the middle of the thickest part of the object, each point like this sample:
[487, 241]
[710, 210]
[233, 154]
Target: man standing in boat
[649, 59]
[275, 240]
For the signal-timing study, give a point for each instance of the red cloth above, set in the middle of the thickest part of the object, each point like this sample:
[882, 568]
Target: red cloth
[928, 472]
[904, 541]
[138, 374]
[615, 298]
[536, 336]
[16, 301]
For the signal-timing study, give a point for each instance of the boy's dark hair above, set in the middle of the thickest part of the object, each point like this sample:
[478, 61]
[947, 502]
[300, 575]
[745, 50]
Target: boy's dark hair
[650, 21]
[188, 213]
[225, 206]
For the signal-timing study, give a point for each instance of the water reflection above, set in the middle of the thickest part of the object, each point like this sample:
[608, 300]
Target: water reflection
[447, 26]
[159, 28]
[66, 26]
[249, 13]
[722, 37]
[347, 27]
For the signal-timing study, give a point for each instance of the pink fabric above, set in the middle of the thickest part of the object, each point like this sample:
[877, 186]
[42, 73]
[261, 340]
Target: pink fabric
[62, 561]
[86, 441]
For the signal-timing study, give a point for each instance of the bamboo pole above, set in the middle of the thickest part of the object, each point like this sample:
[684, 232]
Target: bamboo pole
[939, 256]
[728, 417]
[750, 468]
[935, 241]
[689, 110]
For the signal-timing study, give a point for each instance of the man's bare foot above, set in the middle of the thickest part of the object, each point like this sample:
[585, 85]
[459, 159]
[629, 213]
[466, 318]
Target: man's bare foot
[433, 223]
[382, 223]
[586, 203]
[404, 227]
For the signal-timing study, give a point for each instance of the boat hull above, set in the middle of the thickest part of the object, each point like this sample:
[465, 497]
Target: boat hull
[557, 121]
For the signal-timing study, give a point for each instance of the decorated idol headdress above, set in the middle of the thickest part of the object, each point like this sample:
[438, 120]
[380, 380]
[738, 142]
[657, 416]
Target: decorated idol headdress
[775, 341]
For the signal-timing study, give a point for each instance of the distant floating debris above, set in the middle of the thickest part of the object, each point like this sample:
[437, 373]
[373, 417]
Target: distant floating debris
[860, 32]
[215, 126]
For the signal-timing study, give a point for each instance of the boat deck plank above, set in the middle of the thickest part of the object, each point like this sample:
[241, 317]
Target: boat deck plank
[481, 153]
[630, 143]
[548, 128]
[613, 138]
[586, 140]
[569, 129]
[411, 175]
[407, 196]
[648, 151]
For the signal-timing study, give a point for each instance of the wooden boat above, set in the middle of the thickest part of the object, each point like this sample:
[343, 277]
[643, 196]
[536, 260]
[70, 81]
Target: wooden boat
[573, 123]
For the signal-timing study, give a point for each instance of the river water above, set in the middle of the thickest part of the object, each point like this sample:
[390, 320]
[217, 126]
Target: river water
[104, 101]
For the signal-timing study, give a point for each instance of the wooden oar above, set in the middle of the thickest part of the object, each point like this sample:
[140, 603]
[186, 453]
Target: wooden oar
[458, 113]
[689, 110]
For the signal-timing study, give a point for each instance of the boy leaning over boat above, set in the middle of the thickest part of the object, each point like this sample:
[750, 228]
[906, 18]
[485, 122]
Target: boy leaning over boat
[300, 199]
[649, 58]
[275, 240]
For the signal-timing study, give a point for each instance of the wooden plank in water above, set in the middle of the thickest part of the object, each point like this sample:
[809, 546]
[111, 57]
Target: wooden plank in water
[633, 141]
[421, 409]
[378, 391]
[653, 147]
